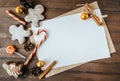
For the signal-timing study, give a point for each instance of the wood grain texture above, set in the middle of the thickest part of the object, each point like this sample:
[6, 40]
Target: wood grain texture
[100, 70]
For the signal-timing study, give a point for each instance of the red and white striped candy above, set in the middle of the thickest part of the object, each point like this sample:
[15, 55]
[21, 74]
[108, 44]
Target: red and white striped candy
[37, 45]
[15, 17]
[44, 38]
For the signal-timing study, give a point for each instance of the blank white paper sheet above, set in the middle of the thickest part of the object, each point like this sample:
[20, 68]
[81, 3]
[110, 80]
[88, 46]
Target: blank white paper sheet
[71, 40]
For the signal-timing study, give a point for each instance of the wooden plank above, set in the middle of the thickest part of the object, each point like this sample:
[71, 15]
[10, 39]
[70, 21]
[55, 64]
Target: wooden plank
[99, 70]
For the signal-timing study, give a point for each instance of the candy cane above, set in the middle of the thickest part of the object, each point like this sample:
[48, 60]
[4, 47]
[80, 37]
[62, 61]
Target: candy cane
[15, 17]
[44, 38]
[37, 46]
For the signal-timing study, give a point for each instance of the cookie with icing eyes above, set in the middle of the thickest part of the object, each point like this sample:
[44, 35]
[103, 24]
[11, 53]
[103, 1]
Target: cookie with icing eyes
[18, 33]
[35, 15]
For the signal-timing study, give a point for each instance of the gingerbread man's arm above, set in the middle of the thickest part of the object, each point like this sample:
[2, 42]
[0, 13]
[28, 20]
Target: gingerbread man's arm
[21, 40]
[28, 18]
[13, 38]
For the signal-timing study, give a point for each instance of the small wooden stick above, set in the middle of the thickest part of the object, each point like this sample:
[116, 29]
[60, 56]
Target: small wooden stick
[78, 5]
[15, 17]
[47, 69]
[104, 16]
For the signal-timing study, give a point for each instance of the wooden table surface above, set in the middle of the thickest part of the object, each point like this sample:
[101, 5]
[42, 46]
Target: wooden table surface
[100, 70]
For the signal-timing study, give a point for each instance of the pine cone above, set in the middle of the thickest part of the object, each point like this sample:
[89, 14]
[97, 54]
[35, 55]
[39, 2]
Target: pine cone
[36, 71]
[28, 46]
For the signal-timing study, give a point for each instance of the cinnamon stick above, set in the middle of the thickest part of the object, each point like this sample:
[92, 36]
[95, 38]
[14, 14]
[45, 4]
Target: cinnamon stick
[47, 69]
[93, 16]
[96, 19]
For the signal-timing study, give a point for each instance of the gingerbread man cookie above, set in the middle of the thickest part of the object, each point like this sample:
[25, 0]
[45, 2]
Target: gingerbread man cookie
[35, 15]
[19, 33]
